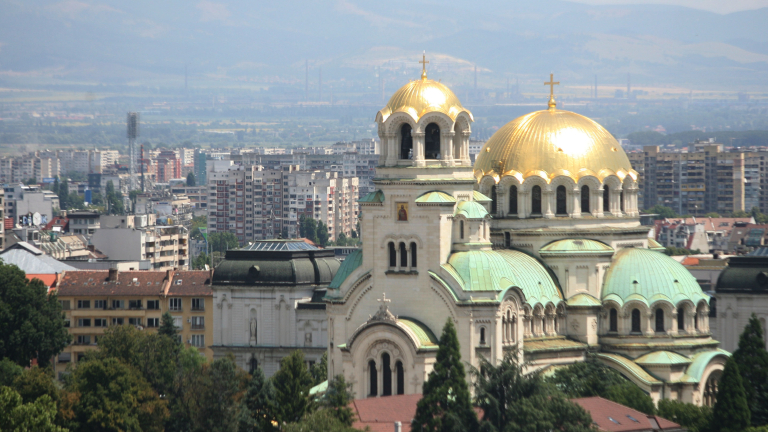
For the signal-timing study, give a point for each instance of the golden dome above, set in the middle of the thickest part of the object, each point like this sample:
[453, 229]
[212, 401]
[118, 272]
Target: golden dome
[551, 143]
[423, 96]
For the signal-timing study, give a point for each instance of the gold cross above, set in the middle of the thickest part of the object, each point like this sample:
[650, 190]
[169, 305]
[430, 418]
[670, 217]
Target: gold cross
[424, 63]
[552, 85]
[383, 300]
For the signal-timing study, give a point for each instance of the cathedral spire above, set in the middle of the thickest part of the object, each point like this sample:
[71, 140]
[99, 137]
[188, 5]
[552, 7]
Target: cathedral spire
[424, 63]
[552, 83]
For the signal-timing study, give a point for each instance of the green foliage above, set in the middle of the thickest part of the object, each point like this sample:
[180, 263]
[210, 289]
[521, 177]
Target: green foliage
[191, 179]
[590, 378]
[677, 251]
[712, 215]
[759, 217]
[319, 421]
[31, 320]
[694, 418]
[663, 212]
[308, 229]
[8, 372]
[322, 234]
[167, 328]
[292, 384]
[115, 205]
[257, 409]
[115, 397]
[446, 404]
[63, 192]
[34, 383]
[200, 261]
[222, 241]
[37, 416]
[337, 399]
[548, 413]
[731, 412]
[211, 397]
[197, 223]
[319, 370]
[752, 359]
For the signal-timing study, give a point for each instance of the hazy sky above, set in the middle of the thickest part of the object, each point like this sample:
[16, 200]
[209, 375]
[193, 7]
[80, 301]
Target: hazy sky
[719, 6]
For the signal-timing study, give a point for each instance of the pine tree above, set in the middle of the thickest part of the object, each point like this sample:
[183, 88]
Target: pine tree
[191, 180]
[292, 384]
[167, 327]
[257, 410]
[446, 404]
[752, 359]
[337, 399]
[731, 413]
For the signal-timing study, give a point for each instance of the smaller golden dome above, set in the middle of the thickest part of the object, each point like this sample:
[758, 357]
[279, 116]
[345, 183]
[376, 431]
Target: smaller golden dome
[421, 97]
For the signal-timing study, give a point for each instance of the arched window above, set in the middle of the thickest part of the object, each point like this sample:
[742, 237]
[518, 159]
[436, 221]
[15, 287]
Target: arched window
[681, 319]
[406, 142]
[513, 329]
[494, 205]
[561, 195]
[413, 254]
[432, 141]
[536, 200]
[531, 326]
[513, 200]
[696, 321]
[659, 320]
[543, 325]
[392, 255]
[614, 321]
[372, 379]
[386, 372]
[400, 377]
[403, 256]
[606, 199]
[461, 230]
[635, 320]
[254, 364]
[482, 335]
[621, 200]
[710, 391]
[585, 199]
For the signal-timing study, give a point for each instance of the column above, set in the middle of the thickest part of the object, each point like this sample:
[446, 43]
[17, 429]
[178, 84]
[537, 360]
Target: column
[418, 148]
[397, 257]
[546, 197]
[502, 207]
[598, 203]
[392, 151]
[465, 148]
[523, 204]
[446, 148]
[575, 203]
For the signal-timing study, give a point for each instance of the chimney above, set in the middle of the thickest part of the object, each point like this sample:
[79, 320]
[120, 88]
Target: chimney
[112, 275]
[398, 427]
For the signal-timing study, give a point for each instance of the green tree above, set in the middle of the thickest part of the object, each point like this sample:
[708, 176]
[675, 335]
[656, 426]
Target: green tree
[712, 215]
[319, 421]
[8, 372]
[337, 399]
[64, 195]
[694, 418]
[548, 413]
[663, 212]
[191, 179]
[115, 397]
[133, 196]
[752, 359]
[322, 233]
[31, 320]
[222, 241]
[167, 327]
[37, 416]
[114, 199]
[257, 409]
[292, 384]
[731, 411]
[341, 240]
[446, 404]
[319, 370]
[201, 261]
[214, 397]
[308, 229]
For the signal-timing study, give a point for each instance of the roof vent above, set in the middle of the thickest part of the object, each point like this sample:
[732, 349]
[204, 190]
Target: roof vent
[634, 281]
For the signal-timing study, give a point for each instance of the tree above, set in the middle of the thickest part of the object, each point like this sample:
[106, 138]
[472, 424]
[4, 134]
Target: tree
[115, 397]
[694, 418]
[322, 233]
[292, 384]
[114, 199]
[167, 327]
[341, 240]
[200, 261]
[32, 322]
[319, 421]
[446, 404]
[663, 212]
[258, 412]
[547, 413]
[16, 416]
[308, 229]
[752, 359]
[191, 179]
[222, 241]
[337, 399]
[64, 195]
[731, 411]
[8, 372]
[213, 396]
[319, 370]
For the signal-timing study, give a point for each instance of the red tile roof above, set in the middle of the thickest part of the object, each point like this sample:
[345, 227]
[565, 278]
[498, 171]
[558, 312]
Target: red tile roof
[381, 413]
[191, 283]
[690, 261]
[8, 223]
[97, 283]
[48, 279]
[613, 417]
[57, 221]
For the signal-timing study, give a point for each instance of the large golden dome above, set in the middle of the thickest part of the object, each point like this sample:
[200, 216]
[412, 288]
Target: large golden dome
[551, 143]
[422, 96]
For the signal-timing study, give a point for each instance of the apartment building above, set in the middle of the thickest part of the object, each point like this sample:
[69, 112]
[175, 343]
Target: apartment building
[83, 222]
[87, 161]
[21, 200]
[136, 238]
[323, 196]
[36, 166]
[94, 300]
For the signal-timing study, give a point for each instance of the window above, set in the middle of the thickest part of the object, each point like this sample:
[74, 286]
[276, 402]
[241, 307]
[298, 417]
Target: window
[99, 322]
[198, 341]
[681, 319]
[403, 256]
[65, 305]
[153, 322]
[560, 207]
[83, 340]
[100, 304]
[400, 377]
[413, 254]
[482, 335]
[621, 200]
[66, 322]
[461, 230]
[134, 321]
[134, 304]
[175, 304]
[536, 200]
[606, 199]
[406, 142]
[198, 304]
[118, 304]
[494, 206]
[614, 325]
[117, 321]
[84, 322]
[635, 321]
[513, 200]
[83, 304]
[432, 141]
[177, 322]
[585, 199]
[392, 255]
[659, 320]
[198, 323]
[372, 379]
[153, 304]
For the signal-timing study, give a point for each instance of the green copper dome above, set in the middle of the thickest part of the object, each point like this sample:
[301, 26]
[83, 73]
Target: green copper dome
[470, 210]
[649, 276]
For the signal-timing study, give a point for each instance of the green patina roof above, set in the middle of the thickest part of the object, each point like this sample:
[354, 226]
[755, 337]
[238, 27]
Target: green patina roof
[498, 270]
[699, 362]
[662, 358]
[319, 389]
[576, 247]
[478, 197]
[559, 343]
[350, 263]
[422, 332]
[627, 367]
[583, 300]
[648, 276]
[470, 210]
[373, 197]
[656, 246]
[435, 197]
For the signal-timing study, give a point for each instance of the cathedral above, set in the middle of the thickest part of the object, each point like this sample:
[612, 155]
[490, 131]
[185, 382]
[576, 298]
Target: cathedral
[536, 250]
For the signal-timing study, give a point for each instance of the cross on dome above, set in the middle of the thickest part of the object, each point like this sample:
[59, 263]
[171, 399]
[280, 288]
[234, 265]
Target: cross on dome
[424, 63]
[552, 83]
[383, 300]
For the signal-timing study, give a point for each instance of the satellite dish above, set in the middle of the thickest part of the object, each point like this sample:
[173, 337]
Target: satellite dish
[36, 219]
